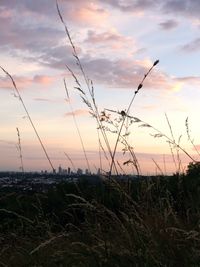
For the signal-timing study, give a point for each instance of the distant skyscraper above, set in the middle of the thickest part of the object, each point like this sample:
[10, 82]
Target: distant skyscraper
[59, 169]
[98, 171]
[79, 171]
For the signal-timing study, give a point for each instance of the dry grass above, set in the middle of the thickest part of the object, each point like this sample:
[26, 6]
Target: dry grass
[18, 95]
[151, 221]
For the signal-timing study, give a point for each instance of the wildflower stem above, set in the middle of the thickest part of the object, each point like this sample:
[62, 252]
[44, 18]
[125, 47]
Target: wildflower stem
[29, 118]
[77, 128]
[127, 113]
[20, 150]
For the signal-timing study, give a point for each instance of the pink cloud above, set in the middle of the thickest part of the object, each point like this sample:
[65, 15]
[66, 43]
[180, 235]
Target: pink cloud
[54, 100]
[88, 13]
[189, 79]
[109, 36]
[197, 147]
[43, 79]
[23, 82]
[128, 73]
[42, 99]
[5, 13]
[77, 112]
[115, 40]
[168, 24]
[149, 107]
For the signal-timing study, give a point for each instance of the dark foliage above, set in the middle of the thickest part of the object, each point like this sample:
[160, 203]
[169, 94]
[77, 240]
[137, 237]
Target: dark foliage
[151, 221]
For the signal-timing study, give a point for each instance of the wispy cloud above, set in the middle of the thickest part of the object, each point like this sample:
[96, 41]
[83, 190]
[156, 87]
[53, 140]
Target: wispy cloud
[21, 82]
[186, 8]
[50, 100]
[89, 13]
[168, 24]
[43, 99]
[111, 40]
[8, 142]
[24, 82]
[43, 79]
[127, 73]
[149, 107]
[197, 147]
[77, 112]
[34, 42]
[39, 30]
[193, 46]
[190, 79]
[189, 8]
[107, 37]
[131, 6]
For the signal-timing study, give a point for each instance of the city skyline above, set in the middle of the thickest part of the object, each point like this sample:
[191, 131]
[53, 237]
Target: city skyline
[117, 42]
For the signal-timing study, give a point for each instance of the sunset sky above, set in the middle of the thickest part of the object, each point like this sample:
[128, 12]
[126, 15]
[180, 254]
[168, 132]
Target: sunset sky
[117, 42]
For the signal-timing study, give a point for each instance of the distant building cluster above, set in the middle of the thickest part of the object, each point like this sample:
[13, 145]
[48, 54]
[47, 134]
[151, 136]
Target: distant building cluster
[79, 171]
[64, 171]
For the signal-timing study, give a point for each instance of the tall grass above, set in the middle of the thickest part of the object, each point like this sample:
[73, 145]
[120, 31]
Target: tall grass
[19, 148]
[120, 125]
[77, 127]
[125, 114]
[29, 117]
[150, 221]
[90, 102]
[155, 224]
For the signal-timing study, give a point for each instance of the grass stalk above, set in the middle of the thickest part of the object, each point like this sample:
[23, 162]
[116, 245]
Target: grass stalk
[29, 117]
[189, 136]
[19, 148]
[160, 134]
[124, 114]
[77, 127]
[93, 107]
[70, 160]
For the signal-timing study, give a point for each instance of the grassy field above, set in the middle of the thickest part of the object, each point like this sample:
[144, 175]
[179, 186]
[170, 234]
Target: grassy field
[151, 221]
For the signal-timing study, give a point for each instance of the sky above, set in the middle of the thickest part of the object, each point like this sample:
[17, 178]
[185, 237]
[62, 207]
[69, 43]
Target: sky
[117, 41]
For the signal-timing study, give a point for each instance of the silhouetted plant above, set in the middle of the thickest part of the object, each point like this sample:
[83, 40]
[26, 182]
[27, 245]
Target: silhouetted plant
[193, 169]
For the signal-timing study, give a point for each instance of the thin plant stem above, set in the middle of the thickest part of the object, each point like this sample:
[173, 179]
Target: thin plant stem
[164, 164]
[124, 141]
[100, 157]
[177, 147]
[123, 171]
[170, 127]
[88, 84]
[172, 135]
[77, 128]
[158, 167]
[172, 154]
[29, 117]
[160, 134]
[20, 150]
[124, 114]
[189, 136]
[70, 160]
